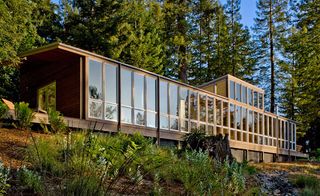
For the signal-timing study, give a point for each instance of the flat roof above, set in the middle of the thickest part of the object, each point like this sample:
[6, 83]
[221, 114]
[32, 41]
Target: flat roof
[235, 79]
[81, 52]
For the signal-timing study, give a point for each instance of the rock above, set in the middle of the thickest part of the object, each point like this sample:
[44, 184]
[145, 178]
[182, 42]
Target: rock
[276, 192]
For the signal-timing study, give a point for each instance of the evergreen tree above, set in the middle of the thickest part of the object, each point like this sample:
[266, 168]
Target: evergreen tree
[177, 37]
[270, 25]
[17, 29]
[203, 32]
[128, 31]
[240, 44]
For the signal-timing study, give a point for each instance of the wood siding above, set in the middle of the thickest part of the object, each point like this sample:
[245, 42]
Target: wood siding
[56, 65]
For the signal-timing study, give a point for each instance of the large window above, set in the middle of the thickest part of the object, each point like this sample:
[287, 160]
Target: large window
[232, 90]
[250, 98]
[95, 89]
[203, 111]
[225, 114]
[151, 101]
[193, 105]
[138, 99]
[111, 94]
[250, 121]
[244, 94]
[232, 116]
[260, 123]
[256, 118]
[183, 106]
[173, 103]
[219, 112]
[210, 110]
[260, 100]
[126, 95]
[238, 117]
[47, 97]
[164, 118]
[255, 99]
[244, 119]
[238, 95]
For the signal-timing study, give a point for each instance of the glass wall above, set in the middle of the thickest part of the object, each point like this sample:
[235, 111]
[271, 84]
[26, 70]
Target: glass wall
[164, 117]
[174, 115]
[47, 97]
[241, 93]
[139, 101]
[126, 95]
[111, 92]
[151, 88]
[182, 108]
[95, 89]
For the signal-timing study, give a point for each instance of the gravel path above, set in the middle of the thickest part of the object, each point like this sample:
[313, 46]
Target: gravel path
[276, 183]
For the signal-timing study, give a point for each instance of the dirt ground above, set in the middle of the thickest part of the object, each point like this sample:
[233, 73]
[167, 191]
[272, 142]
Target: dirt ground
[13, 143]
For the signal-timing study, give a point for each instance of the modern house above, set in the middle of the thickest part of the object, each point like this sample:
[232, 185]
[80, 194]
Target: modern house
[92, 90]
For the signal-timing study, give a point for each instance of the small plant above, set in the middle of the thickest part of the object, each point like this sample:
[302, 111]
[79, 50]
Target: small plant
[56, 121]
[24, 115]
[4, 177]
[30, 180]
[303, 181]
[3, 110]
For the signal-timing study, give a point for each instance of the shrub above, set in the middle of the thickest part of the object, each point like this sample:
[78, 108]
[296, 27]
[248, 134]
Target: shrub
[24, 115]
[303, 181]
[30, 180]
[194, 140]
[4, 177]
[56, 121]
[231, 177]
[3, 110]
[46, 154]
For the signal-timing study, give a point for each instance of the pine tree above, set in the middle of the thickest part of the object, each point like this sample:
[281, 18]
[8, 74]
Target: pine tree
[240, 44]
[17, 29]
[177, 38]
[129, 31]
[203, 19]
[270, 25]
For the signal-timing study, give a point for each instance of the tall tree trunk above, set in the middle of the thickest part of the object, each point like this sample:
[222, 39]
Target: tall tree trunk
[182, 49]
[272, 96]
[233, 39]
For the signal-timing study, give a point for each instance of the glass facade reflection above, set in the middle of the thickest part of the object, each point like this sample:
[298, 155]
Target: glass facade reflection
[113, 88]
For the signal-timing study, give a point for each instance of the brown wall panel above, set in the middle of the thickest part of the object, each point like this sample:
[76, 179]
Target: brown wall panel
[65, 70]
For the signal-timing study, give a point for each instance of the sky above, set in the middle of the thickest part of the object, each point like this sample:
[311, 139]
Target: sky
[247, 10]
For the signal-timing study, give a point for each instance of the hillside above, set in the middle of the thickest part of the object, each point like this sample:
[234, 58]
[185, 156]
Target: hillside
[267, 178]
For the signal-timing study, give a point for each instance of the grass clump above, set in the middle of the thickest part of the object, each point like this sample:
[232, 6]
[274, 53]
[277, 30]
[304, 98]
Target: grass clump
[309, 185]
[4, 178]
[56, 121]
[24, 115]
[30, 180]
[3, 110]
[86, 163]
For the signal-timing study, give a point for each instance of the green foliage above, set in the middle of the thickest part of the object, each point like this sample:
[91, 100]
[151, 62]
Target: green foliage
[91, 164]
[30, 180]
[24, 115]
[9, 82]
[303, 181]
[309, 185]
[56, 121]
[45, 154]
[17, 31]
[194, 140]
[3, 110]
[4, 178]
[248, 169]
